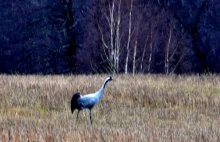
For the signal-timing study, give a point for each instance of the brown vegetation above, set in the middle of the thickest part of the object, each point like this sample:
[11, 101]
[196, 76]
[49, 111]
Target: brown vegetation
[133, 108]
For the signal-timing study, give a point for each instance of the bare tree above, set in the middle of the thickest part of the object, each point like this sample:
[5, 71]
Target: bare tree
[151, 50]
[167, 50]
[129, 38]
[131, 34]
[143, 55]
[112, 49]
[134, 56]
[117, 38]
[175, 50]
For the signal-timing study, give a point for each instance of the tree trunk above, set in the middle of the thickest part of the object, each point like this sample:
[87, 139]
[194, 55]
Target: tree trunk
[129, 38]
[134, 57]
[167, 50]
[151, 51]
[112, 54]
[117, 38]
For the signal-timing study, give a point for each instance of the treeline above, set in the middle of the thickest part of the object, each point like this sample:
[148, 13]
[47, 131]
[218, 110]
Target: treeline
[110, 36]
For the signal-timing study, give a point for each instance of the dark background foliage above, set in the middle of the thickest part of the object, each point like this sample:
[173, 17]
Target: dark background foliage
[109, 36]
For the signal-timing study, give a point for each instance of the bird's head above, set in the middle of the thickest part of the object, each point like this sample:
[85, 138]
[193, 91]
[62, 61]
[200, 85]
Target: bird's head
[109, 78]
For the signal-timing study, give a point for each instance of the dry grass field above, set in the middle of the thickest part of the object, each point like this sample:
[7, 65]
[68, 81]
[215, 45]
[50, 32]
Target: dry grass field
[152, 108]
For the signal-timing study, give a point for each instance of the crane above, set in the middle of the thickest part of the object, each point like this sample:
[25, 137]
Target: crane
[88, 101]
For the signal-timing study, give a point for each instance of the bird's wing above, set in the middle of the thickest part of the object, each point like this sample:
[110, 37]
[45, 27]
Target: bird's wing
[88, 101]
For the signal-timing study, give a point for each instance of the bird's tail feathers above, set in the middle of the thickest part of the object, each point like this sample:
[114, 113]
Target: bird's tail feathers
[72, 110]
[74, 103]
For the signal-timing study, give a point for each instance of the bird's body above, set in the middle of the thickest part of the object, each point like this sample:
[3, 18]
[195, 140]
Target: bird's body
[88, 101]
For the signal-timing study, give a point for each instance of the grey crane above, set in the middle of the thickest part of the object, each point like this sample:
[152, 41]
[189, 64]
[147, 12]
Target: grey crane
[88, 101]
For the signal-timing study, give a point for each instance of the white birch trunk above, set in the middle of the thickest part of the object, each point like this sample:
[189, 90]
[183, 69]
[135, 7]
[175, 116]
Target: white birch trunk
[112, 54]
[117, 40]
[167, 50]
[142, 58]
[129, 38]
[134, 57]
[151, 51]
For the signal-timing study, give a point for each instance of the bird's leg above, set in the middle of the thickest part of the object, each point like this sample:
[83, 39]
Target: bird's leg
[90, 112]
[77, 115]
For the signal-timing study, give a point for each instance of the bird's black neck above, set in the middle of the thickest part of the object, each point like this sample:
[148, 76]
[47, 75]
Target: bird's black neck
[101, 90]
[105, 83]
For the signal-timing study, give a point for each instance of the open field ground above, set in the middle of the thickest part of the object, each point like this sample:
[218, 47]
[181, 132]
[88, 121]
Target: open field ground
[141, 108]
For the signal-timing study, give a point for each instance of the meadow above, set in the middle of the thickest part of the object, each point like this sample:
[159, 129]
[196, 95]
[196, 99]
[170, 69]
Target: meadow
[152, 108]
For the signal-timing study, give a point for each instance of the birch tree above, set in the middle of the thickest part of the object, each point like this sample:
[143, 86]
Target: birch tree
[167, 50]
[134, 56]
[112, 49]
[175, 51]
[151, 50]
[129, 38]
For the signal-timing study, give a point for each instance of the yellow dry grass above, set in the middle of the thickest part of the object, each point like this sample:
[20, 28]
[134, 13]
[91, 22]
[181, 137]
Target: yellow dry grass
[134, 108]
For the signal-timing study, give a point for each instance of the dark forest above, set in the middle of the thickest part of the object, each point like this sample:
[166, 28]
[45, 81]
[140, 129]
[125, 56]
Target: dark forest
[109, 36]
